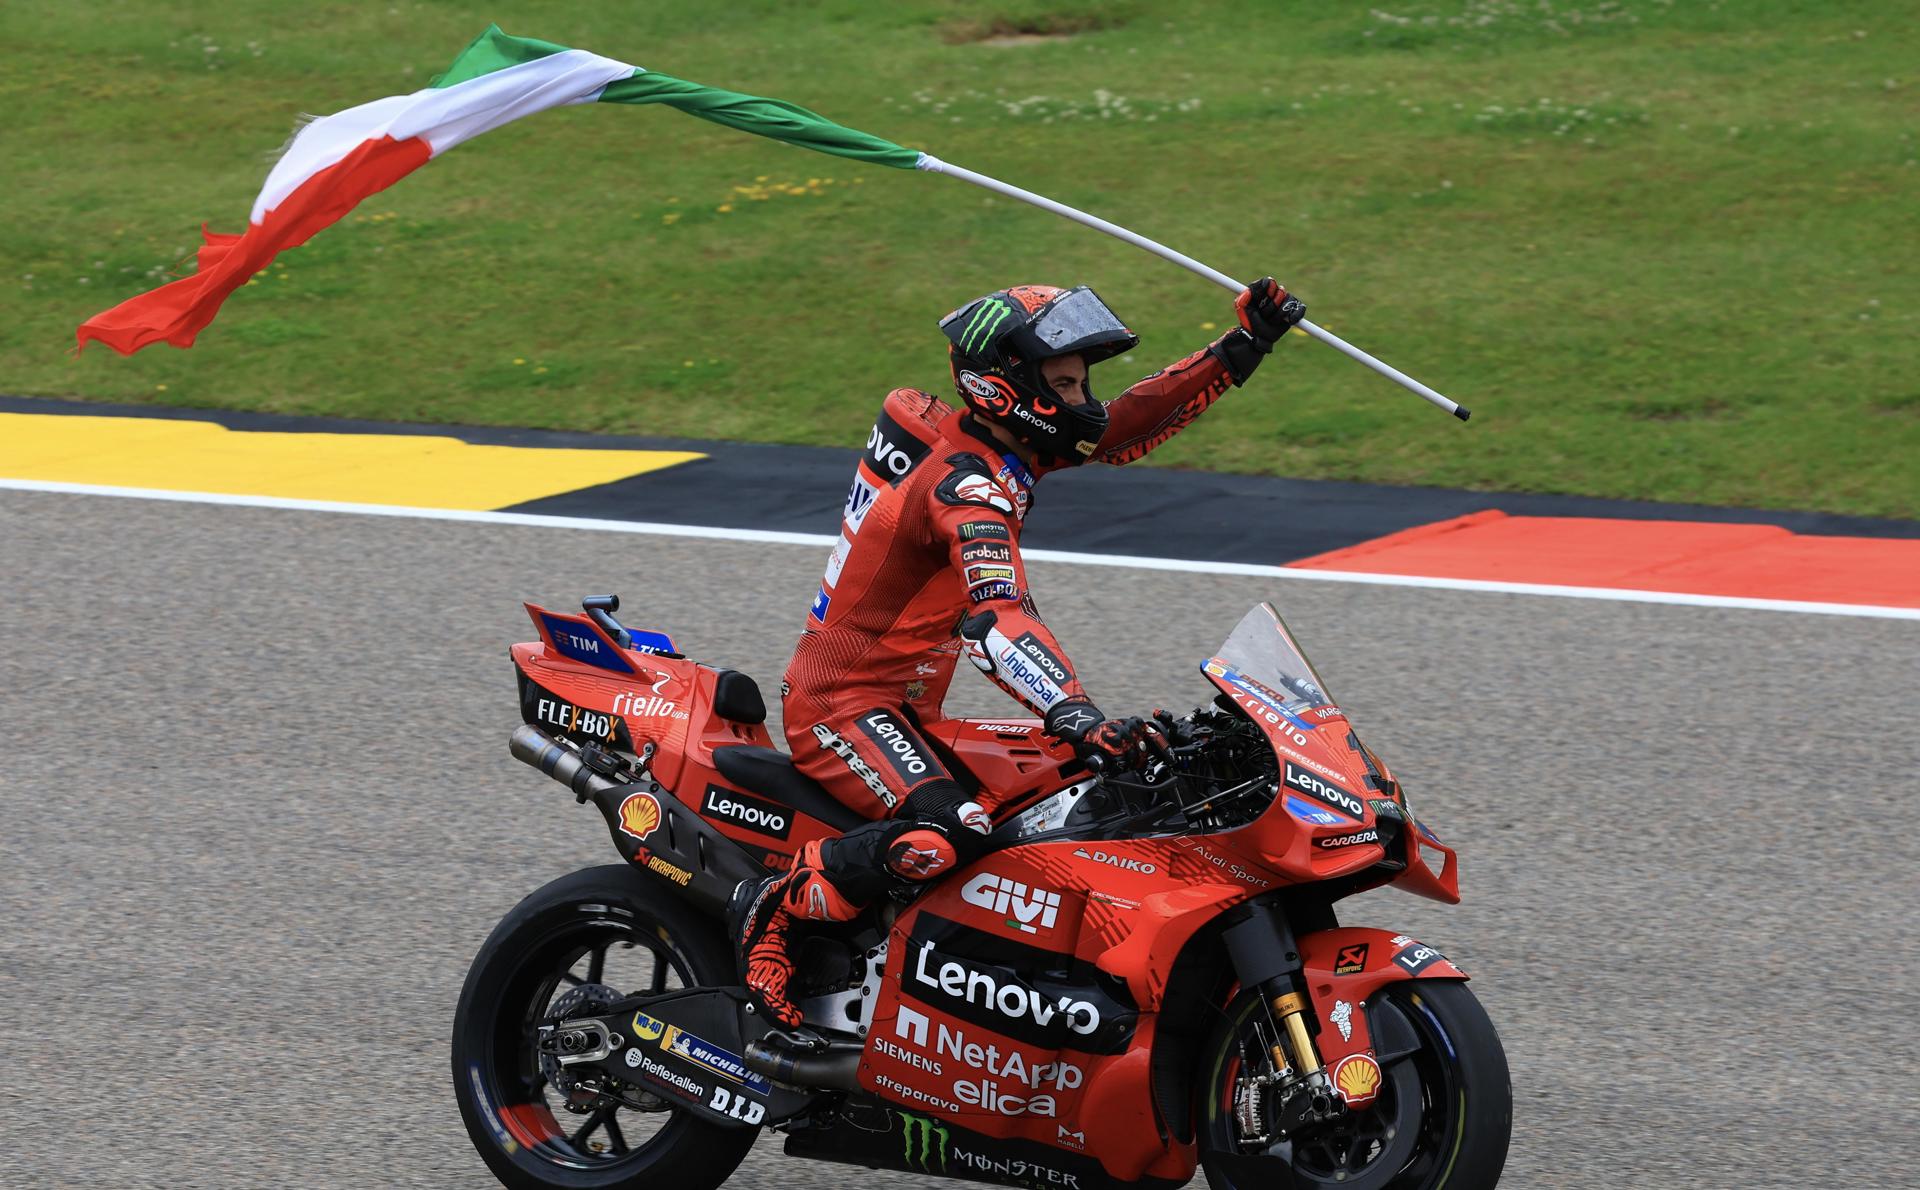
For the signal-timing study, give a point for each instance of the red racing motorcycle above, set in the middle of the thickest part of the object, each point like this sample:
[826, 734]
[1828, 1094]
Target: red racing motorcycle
[1146, 973]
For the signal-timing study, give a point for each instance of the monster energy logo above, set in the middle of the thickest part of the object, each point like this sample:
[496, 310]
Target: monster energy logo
[929, 1132]
[987, 317]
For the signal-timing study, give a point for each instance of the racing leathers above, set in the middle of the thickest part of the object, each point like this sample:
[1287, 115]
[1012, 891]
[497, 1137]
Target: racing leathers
[927, 569]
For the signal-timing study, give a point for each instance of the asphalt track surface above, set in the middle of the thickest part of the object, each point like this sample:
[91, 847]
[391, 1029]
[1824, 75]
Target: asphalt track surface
[259, 815]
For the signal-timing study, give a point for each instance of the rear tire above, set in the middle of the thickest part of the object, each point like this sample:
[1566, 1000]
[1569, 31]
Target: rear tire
[1442, 1121]
[552, 949]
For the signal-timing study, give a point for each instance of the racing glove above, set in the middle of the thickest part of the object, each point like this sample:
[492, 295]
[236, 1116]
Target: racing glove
[1266, 312]
[1106, 745]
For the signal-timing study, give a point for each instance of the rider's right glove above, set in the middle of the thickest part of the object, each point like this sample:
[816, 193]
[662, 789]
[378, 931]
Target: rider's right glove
[1106, 744]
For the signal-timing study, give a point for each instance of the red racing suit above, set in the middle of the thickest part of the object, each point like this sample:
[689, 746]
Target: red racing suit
[931, 538]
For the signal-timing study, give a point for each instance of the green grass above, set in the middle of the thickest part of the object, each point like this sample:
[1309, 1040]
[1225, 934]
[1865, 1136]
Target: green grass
[1664, 250]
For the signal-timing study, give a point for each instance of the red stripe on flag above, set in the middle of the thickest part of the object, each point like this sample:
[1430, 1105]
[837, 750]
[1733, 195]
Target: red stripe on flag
[180, 310]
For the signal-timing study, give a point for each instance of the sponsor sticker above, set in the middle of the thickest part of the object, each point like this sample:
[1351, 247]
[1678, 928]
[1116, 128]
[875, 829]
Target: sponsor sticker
[1322, 790]
[1385, 807]
[891, 451]
[837, 560]
[724, 1062]
[635, 705]
[666, 1075]
[986, 551]
[1123, 862]
[1355, 839]
[1049, 662]
[1351, 960]
[972, 487]
[648, 1028]
[984, 574]
[1012, 1082]
[1014, 995]
[901, 751]
[820, 603]
[1417, 958]
[989, 591]
[1032, 910]
[673, 872]
[576, 720]
[860, 498]
[740, 1107]
[1357, 1078]
[577, 640]
[1020, 671]
[977, 530]
[648, 641]
[1309, 813]
[639, 815]
[1342, 1018]
[755, 814]
[832, 742]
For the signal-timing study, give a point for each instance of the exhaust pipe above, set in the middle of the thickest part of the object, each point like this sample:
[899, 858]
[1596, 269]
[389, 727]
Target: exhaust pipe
[837, 1068]
[530, 745]
[676, 847]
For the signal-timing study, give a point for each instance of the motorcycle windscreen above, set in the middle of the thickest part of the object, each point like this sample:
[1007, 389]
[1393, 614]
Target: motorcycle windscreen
[1261, 651]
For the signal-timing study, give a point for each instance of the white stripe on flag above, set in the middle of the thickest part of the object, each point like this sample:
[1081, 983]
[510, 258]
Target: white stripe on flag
[444, 116]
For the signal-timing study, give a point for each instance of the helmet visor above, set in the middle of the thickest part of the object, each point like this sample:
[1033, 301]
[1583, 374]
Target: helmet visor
[1078, 321]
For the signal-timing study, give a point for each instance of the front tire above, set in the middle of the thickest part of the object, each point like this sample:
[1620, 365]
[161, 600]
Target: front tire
[1442, 1120]
[583, 939]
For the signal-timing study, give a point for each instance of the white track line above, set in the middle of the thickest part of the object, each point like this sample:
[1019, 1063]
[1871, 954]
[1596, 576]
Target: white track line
[826, 541]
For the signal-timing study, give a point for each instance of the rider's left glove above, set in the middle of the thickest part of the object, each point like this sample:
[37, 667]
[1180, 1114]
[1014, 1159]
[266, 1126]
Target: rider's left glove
[1266, 312]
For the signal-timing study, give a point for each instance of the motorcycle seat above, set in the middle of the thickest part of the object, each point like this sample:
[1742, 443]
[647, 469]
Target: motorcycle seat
[770, 773]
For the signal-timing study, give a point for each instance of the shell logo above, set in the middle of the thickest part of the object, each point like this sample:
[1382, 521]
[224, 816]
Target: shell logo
[639, 815]
[1357, 1078]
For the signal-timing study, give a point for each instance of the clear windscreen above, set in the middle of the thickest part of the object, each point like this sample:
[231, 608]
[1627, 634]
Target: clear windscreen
[1261, 657]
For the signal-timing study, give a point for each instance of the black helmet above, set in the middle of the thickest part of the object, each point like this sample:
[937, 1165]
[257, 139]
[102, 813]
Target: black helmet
[998, 343]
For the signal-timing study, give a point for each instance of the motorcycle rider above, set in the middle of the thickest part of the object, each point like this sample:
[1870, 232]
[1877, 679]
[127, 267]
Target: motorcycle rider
[928, 566]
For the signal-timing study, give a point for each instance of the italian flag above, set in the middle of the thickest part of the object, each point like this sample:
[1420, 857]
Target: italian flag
[337, 161]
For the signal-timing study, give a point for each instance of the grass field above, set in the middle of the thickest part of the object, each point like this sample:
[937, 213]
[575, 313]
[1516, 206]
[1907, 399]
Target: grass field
[1664, 250]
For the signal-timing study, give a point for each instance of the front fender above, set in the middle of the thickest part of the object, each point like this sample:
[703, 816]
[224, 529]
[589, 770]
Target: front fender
[1344, 969]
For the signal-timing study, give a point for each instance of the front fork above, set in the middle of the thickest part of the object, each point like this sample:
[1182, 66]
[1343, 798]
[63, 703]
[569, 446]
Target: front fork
[1266, 957]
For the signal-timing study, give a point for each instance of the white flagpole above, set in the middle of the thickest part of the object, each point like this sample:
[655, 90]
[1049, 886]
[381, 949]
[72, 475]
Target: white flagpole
[933, 164]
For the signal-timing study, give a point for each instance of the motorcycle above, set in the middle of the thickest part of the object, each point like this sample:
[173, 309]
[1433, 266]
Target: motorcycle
[1143, 975]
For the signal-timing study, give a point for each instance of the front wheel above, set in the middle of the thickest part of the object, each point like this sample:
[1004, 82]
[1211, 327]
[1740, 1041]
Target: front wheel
[1441, 1120]
[579, 943]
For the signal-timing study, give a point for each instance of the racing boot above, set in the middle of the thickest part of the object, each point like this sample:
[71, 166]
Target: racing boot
[764, 916]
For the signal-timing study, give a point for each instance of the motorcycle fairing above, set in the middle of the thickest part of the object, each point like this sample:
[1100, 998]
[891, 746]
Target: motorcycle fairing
[668, 702]
[1066, 1049]
[914, 1142]
[1346, 967]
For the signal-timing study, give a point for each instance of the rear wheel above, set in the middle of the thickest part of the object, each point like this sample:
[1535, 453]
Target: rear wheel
[1441, 1120]
[581, 942]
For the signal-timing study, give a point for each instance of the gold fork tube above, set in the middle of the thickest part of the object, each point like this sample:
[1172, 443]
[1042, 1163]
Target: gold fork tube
[1292, 1009]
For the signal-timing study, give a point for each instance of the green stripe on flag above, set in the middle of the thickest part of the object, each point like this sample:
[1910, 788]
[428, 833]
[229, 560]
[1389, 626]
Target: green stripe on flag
[774, 118]
[491, 51]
